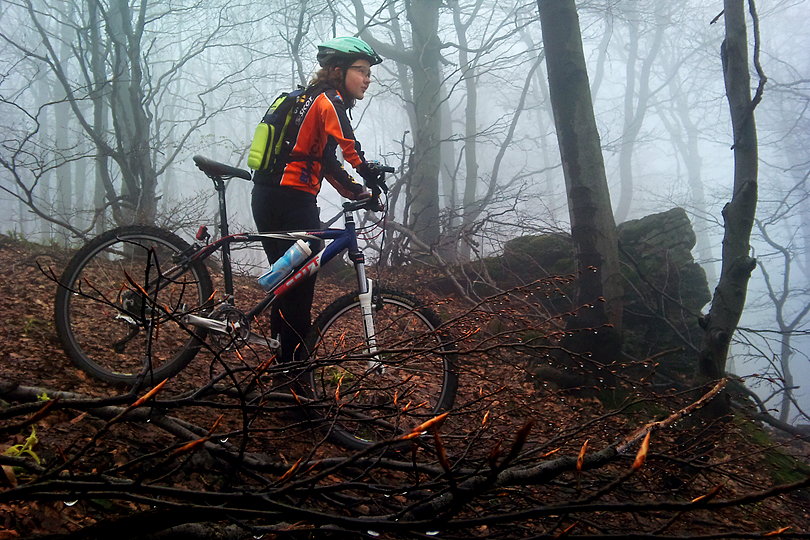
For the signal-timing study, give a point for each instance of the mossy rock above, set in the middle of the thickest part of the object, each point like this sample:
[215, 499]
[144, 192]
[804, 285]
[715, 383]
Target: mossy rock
[657, 250]
[656, 257]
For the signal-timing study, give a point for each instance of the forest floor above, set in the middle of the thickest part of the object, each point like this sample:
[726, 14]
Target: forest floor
[496, 392]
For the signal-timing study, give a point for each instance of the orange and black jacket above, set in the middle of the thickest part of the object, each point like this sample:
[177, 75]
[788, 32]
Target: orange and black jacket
[312, 157]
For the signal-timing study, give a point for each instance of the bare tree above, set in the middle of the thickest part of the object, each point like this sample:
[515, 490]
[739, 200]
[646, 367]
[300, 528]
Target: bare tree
[680, 118]
[637, 95]
[782, 224]
[593, 230]
[478, 189]
[781, 236]
[788, 318]
[737, 264]
[422, 58]
[117, 86]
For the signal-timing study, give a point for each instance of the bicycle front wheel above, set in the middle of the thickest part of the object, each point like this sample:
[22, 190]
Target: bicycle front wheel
[120, 303]
[368, 398]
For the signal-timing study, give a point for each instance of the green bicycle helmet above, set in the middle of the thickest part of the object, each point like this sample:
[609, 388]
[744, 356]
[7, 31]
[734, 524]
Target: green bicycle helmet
[345, 50]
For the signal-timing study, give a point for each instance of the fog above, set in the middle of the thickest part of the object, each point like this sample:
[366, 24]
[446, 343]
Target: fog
[103, 104]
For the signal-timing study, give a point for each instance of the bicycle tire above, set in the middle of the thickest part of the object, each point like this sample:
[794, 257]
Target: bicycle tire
[118, 304]
[361, 405]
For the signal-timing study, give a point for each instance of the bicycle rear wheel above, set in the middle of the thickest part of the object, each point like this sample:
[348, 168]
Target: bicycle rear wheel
[365, 400]
[120, 301]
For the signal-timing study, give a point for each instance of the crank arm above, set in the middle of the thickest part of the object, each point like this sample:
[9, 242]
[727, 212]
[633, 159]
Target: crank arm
[220, 327]
[256, 339]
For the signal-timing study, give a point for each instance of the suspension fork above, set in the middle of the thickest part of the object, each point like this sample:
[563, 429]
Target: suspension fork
[365, 287]
[365, 292]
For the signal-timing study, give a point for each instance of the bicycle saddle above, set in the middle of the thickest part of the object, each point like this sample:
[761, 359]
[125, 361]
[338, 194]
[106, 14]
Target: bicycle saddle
[216, 169]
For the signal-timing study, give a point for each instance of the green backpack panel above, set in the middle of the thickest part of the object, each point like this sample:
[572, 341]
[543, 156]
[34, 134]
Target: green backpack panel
[275, 134]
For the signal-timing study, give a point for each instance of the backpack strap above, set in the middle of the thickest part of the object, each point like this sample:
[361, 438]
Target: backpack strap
[299, 112]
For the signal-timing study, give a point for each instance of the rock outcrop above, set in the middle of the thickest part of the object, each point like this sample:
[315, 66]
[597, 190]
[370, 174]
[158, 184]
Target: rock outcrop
[664, 287]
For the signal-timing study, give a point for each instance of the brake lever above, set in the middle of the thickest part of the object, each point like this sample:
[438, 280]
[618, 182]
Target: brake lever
[373, 203]
[380, 185]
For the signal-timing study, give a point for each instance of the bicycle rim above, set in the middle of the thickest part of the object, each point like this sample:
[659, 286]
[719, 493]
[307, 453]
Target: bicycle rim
[120, 304]
[364, 400]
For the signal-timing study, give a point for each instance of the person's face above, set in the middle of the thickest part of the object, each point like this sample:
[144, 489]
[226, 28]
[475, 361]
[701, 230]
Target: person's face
[358, 77]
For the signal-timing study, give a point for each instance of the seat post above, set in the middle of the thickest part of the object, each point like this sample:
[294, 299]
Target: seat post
[227, 274]
[219, 185]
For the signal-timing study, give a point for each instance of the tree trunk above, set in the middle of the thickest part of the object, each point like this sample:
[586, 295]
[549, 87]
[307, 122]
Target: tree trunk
[131, 122]
[694, 167]
[632, 124]
[636, 101]
[787, 378]
[593, 230]
[104, 191]
[449, 165]
[43, 94]
[544, 117]
[64, 178]
[469, 75]
[729, 296]
[425, 161]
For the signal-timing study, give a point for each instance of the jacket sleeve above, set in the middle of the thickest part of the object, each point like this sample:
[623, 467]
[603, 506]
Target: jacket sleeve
[337, 125]
[335, 174]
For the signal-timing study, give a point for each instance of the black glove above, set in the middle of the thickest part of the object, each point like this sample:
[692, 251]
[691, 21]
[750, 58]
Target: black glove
[360, 195]
[371, 174]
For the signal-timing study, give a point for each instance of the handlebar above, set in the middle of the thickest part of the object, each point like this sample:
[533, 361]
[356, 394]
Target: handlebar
[377, 188]
[351, 206]
[220, 171]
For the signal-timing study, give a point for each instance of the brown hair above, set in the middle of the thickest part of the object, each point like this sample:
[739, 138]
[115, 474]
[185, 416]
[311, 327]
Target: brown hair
[334, 76]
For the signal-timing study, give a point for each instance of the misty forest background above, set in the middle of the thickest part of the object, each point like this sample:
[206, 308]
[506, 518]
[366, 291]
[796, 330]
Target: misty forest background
[102, 105]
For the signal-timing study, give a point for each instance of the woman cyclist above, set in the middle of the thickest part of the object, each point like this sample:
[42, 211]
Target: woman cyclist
[285, 198]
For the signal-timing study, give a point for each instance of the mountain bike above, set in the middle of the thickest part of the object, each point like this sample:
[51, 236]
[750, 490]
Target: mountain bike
[136, 304]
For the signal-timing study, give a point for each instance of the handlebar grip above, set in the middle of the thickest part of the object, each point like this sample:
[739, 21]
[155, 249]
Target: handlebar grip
[376, 166]
[377, 183]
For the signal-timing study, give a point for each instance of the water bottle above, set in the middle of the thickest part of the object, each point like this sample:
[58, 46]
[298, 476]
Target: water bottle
[285, 265]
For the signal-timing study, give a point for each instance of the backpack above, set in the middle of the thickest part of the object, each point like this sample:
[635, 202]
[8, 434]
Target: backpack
[275, 134]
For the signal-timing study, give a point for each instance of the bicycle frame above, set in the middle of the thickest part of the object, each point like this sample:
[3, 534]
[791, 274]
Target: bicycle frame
[339, 240]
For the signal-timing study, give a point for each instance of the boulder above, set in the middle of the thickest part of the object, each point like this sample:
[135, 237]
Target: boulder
[664, 287]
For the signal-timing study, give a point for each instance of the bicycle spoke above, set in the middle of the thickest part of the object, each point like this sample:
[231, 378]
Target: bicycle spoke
[118, 312]
[370, 398]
